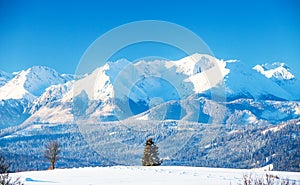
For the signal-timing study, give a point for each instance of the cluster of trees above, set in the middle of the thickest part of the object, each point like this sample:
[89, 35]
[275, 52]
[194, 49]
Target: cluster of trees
[244, 148]
[5, 179]
[51, 153]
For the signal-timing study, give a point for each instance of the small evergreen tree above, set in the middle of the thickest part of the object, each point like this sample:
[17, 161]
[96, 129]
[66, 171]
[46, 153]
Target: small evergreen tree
[150, 157]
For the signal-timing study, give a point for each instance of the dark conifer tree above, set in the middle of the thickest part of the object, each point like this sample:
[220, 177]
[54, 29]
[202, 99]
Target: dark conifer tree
[150, 157]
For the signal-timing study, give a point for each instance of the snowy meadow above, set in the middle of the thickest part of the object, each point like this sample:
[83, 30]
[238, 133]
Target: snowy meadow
[137, 175]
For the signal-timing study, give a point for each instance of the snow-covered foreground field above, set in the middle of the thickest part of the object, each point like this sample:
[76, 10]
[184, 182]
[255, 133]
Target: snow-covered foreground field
[137, 175]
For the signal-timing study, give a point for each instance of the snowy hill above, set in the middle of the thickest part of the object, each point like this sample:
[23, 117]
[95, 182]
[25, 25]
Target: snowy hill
[136, 175]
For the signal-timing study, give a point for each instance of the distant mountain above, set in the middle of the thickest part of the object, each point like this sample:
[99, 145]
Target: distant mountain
[189, 89]
[30, 83]
[242, 82]
[282, 75]
[202, 111]
[276, 71]
[17, 95]
[135, 88]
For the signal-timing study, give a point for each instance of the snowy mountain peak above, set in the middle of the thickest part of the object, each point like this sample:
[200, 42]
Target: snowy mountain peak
[196, 63]
[121, 89]
[30, 83]
[277, 70]
[281, 74]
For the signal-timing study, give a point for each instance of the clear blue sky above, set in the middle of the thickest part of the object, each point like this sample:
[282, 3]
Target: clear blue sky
[56, 33]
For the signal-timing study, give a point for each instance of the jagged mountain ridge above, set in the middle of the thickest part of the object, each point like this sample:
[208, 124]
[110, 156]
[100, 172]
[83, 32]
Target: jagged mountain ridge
[276, 71]
[18, 94]
[282, 75]
[121, 89]
[30, 83]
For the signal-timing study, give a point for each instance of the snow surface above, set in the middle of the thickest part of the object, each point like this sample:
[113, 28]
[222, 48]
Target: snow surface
[276, 70]
[282, 75]
[137, 175]
[274, 129]
[30, 83]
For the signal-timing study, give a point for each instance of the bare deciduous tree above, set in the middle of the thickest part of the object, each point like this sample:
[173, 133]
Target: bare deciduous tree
[269, 179]
[52, 152]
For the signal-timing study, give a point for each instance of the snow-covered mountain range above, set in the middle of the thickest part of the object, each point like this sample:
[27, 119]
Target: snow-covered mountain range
[189, 89]
[201, 111]
[20, 90]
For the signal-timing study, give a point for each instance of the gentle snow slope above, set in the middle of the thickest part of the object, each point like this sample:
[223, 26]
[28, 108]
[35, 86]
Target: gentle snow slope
[136, 175]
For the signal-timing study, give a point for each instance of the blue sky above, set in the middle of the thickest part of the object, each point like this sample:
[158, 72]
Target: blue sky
[56, 33]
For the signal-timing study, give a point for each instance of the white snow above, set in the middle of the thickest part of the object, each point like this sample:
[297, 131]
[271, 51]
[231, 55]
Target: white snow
[30, 83]
[145, 117]
[276, 70]
[274, 129]
[14, 89]
[98, 84]
[57, 114]
[204, 71]
[282, 75]
[164, 80]
[137, 175]
[145, 81]
[297, 109]
[244, 81]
